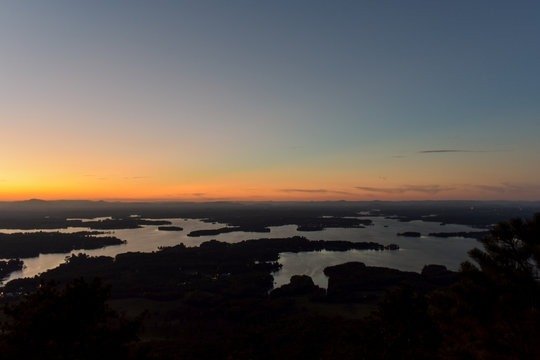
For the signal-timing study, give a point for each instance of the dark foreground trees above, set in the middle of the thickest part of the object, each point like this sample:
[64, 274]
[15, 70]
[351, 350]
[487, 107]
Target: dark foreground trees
[65, 323]
[494, 311]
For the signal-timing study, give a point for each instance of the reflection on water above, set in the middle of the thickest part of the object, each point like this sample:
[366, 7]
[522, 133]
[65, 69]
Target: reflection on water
[144, 239]
[414, 253]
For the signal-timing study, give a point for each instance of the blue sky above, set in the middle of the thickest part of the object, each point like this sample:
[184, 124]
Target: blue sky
[195, 94]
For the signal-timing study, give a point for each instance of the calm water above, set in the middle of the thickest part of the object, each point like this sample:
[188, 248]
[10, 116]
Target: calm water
[414, 253]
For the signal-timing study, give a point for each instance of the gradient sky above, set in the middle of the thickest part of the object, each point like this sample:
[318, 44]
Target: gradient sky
[270, 100]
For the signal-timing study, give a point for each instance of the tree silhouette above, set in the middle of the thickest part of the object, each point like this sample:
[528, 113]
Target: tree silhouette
[70, 323]
[494, 311]
[512, 252]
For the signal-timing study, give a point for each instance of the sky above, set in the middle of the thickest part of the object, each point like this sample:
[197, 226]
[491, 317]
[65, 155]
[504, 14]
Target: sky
[269, 100]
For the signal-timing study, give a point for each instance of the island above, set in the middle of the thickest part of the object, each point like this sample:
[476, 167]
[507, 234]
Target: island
[31, 244]
[410, 234]
[464, 234]
[356, 282]
[322, 223]
[25, 222]
[224, 230]
[115, 224]
[9, 266]
[170, 228]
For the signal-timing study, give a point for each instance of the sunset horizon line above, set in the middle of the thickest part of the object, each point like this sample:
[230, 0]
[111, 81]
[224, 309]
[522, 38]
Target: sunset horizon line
[223, 200]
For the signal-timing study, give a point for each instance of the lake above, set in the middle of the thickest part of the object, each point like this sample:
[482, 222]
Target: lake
[414, 253]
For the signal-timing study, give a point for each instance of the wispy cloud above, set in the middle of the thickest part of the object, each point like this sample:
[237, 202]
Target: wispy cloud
[305, 190]
[445, 151]
[439, 151]
[508, 187]
[427, 189]
[490, 188]
[314, 191]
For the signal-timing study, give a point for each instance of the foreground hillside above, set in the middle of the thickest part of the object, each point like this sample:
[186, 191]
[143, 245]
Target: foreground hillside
[215, 302]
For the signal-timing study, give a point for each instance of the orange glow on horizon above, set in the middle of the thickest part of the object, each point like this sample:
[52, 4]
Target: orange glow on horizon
[326, 180]
[246, 192]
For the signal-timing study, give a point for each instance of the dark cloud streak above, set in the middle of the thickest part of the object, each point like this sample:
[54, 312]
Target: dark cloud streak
[314, 191]
[510, 187]
[442, 151]
[428, 189]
